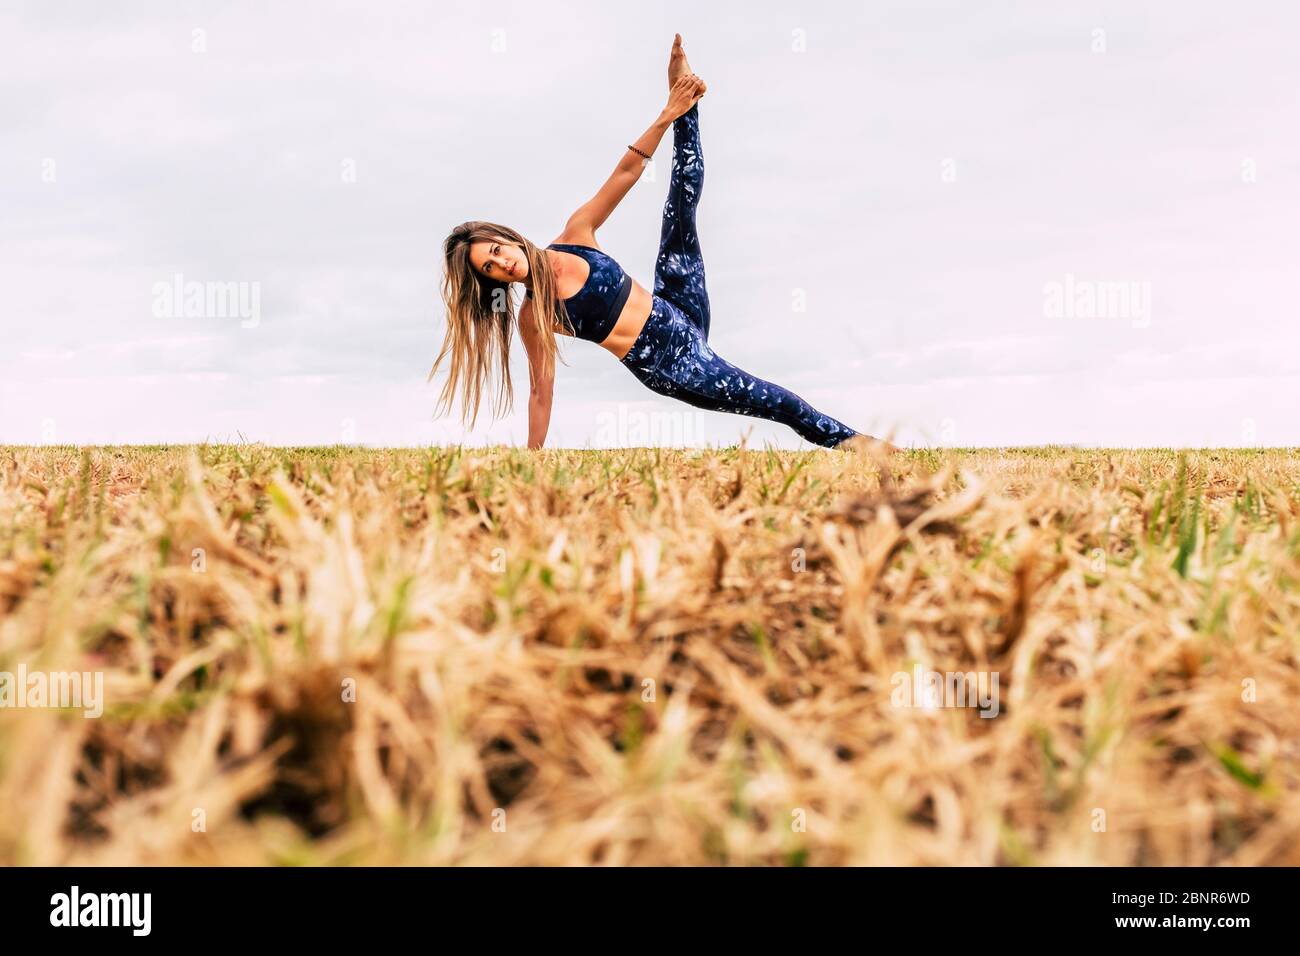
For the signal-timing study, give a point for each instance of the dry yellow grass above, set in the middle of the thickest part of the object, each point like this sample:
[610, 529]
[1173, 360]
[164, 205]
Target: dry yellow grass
[502, 657]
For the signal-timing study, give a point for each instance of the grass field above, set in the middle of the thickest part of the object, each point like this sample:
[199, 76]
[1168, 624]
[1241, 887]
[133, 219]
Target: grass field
[494, 656]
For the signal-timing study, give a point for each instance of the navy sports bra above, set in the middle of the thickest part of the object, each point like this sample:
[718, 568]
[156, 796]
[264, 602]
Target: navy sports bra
[594, 310]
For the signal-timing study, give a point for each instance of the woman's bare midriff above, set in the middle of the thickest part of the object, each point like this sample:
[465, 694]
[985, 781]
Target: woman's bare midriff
[636, 310]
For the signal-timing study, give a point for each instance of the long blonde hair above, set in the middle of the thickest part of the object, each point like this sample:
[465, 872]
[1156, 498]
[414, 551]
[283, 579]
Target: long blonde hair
[481, 318]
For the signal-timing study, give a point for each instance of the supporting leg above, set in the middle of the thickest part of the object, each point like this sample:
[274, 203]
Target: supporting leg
[672, 358]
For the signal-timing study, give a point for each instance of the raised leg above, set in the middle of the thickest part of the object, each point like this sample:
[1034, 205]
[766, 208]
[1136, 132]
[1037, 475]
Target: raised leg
[679, 268]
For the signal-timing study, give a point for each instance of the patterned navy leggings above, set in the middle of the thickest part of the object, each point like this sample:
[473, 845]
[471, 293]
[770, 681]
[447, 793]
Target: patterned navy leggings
[672, 356]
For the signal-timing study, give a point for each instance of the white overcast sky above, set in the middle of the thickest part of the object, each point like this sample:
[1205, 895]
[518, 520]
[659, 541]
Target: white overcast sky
[917, 174]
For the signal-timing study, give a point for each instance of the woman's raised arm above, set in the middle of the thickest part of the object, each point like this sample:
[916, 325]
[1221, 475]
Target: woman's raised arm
[589, 217]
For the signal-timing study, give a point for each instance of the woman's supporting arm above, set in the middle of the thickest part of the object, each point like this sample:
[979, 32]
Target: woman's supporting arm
[541, 388]
[539, 413]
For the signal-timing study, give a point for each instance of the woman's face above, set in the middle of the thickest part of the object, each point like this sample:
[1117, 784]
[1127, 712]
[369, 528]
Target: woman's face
[499, 260]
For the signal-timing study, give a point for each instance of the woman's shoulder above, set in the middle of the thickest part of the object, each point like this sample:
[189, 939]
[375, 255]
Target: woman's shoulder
[577, 237]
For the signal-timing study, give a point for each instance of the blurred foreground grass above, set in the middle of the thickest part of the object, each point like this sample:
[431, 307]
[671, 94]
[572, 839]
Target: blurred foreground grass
[341, 655]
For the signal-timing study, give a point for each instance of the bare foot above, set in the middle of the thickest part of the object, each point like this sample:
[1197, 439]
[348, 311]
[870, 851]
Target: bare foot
[677, 65]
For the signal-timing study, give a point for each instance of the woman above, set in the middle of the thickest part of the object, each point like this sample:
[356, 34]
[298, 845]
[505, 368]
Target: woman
[573, 288]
